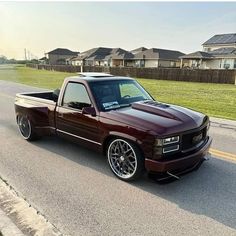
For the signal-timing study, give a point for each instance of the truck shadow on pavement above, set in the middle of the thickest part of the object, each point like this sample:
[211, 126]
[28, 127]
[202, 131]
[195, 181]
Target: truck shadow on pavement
[210, 191]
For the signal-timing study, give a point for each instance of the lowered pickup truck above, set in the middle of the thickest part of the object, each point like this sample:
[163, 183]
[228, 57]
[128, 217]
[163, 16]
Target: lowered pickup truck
[117, 117]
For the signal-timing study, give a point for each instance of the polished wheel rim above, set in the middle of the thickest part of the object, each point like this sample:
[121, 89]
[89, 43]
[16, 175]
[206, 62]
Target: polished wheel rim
[122, 158]
[24, 126]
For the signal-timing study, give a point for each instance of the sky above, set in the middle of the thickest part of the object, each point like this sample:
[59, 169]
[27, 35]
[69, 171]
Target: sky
[43, 26]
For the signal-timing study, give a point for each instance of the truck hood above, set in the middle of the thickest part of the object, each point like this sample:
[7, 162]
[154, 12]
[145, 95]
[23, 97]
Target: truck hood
[161, 119]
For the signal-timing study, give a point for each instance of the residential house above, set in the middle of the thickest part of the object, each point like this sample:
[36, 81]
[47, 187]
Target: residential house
[219, 53]
[70, 59]
[92, 57]
[58, 56]
[118, 57]
[43, 60]
[138, 50]
[156, 57]
[220, 41]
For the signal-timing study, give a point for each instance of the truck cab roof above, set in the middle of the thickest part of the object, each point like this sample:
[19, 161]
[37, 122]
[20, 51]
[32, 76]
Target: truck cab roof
[94, 74]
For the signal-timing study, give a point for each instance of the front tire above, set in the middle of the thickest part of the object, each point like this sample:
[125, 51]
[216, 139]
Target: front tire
[26, 129]
[125, 159]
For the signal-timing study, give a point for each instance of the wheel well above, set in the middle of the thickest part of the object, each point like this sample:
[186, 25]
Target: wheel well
[110, 137]
[106, 142]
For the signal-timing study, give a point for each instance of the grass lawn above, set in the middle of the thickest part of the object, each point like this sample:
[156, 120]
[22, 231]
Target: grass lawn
[217, 100]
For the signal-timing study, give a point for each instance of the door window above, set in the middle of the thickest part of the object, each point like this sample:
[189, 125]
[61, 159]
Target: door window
[76, 96]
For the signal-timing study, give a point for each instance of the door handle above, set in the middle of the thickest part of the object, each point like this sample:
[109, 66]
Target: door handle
[60, 115]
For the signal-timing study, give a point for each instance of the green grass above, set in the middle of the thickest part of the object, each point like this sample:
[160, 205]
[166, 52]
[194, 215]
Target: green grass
[217, 100]
[33, 77]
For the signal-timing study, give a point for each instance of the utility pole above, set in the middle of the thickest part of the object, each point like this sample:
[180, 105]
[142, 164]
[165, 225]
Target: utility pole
[25, 55]
[28, 55]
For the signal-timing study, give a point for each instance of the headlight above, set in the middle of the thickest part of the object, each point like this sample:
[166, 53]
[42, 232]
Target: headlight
[167, 141]
[171, 140]
[166, 145]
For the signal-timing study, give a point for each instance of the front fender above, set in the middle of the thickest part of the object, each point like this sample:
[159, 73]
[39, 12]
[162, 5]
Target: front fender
[125, 136]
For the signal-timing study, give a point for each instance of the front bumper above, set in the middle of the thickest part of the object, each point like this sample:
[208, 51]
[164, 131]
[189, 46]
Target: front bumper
[180, 164]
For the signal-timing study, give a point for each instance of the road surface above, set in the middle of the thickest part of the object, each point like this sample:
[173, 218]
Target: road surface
[74, 188]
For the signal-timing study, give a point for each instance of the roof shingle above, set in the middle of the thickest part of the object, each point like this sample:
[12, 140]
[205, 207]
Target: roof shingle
[63, 51]
[157, 53]
[221, 39]
[197, 55]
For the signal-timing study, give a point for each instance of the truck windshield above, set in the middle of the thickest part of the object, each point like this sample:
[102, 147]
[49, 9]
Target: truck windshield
[115, 94]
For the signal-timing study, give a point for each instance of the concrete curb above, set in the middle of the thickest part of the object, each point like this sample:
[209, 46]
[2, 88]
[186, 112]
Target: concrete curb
[223, 123]
[7, 227]
[18, 213]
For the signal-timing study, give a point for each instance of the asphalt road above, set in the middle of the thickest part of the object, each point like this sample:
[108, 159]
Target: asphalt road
[74, 188]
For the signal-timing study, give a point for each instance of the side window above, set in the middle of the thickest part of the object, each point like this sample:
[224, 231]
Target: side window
[76, 96]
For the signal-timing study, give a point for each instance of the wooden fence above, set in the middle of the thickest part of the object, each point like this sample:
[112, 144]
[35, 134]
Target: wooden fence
[176, 74]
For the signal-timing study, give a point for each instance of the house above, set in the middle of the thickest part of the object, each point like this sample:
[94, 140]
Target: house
[220, 41]
[58, 56]
[156, 57]
[70, 59]
[92, 57]
[137, 50]
[222, 58]
[43, 60]
[118, 57]
[219, 52]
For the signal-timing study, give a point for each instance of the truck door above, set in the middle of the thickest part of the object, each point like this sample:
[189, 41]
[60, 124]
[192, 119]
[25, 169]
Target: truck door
[70, 121]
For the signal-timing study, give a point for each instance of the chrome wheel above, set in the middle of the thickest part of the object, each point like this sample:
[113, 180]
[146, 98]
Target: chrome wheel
[122, 159]
[24, 127]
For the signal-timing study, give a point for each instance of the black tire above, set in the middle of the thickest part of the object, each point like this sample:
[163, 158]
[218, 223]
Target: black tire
[125, 159]
[26, 128]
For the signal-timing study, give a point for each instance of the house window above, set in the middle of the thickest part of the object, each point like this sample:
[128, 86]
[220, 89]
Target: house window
[226, 64]
[234, 63]
[173, 64]
[142, 63]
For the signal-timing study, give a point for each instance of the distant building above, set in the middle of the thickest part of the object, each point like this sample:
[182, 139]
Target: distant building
[219, 52]
[43, 60]
[140, 57]
[118, 57]
[220, 41]
[156, 57]
[138, 50]
[92, 57]
[58, 56]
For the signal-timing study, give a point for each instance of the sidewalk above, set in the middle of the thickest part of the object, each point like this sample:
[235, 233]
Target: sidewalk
[7, 227]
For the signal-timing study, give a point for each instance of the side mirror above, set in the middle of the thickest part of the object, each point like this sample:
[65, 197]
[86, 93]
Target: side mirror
[89, 111]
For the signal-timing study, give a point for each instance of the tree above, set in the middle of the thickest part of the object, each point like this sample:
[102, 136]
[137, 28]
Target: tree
[3, 59]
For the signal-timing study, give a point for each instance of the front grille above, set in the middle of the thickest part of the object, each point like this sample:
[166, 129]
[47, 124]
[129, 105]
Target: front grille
[192, 140]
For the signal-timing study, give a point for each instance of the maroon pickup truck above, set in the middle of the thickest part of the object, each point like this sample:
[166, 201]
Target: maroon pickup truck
[117, 117]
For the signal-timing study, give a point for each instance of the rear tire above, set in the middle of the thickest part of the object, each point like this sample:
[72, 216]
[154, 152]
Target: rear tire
[26, 128]
[125, 159]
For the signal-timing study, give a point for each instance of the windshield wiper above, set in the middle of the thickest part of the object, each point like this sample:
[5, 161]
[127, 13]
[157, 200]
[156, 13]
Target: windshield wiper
[118, 106]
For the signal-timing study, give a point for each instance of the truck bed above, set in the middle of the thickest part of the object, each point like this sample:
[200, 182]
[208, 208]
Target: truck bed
[47, 96]
[39, 107]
